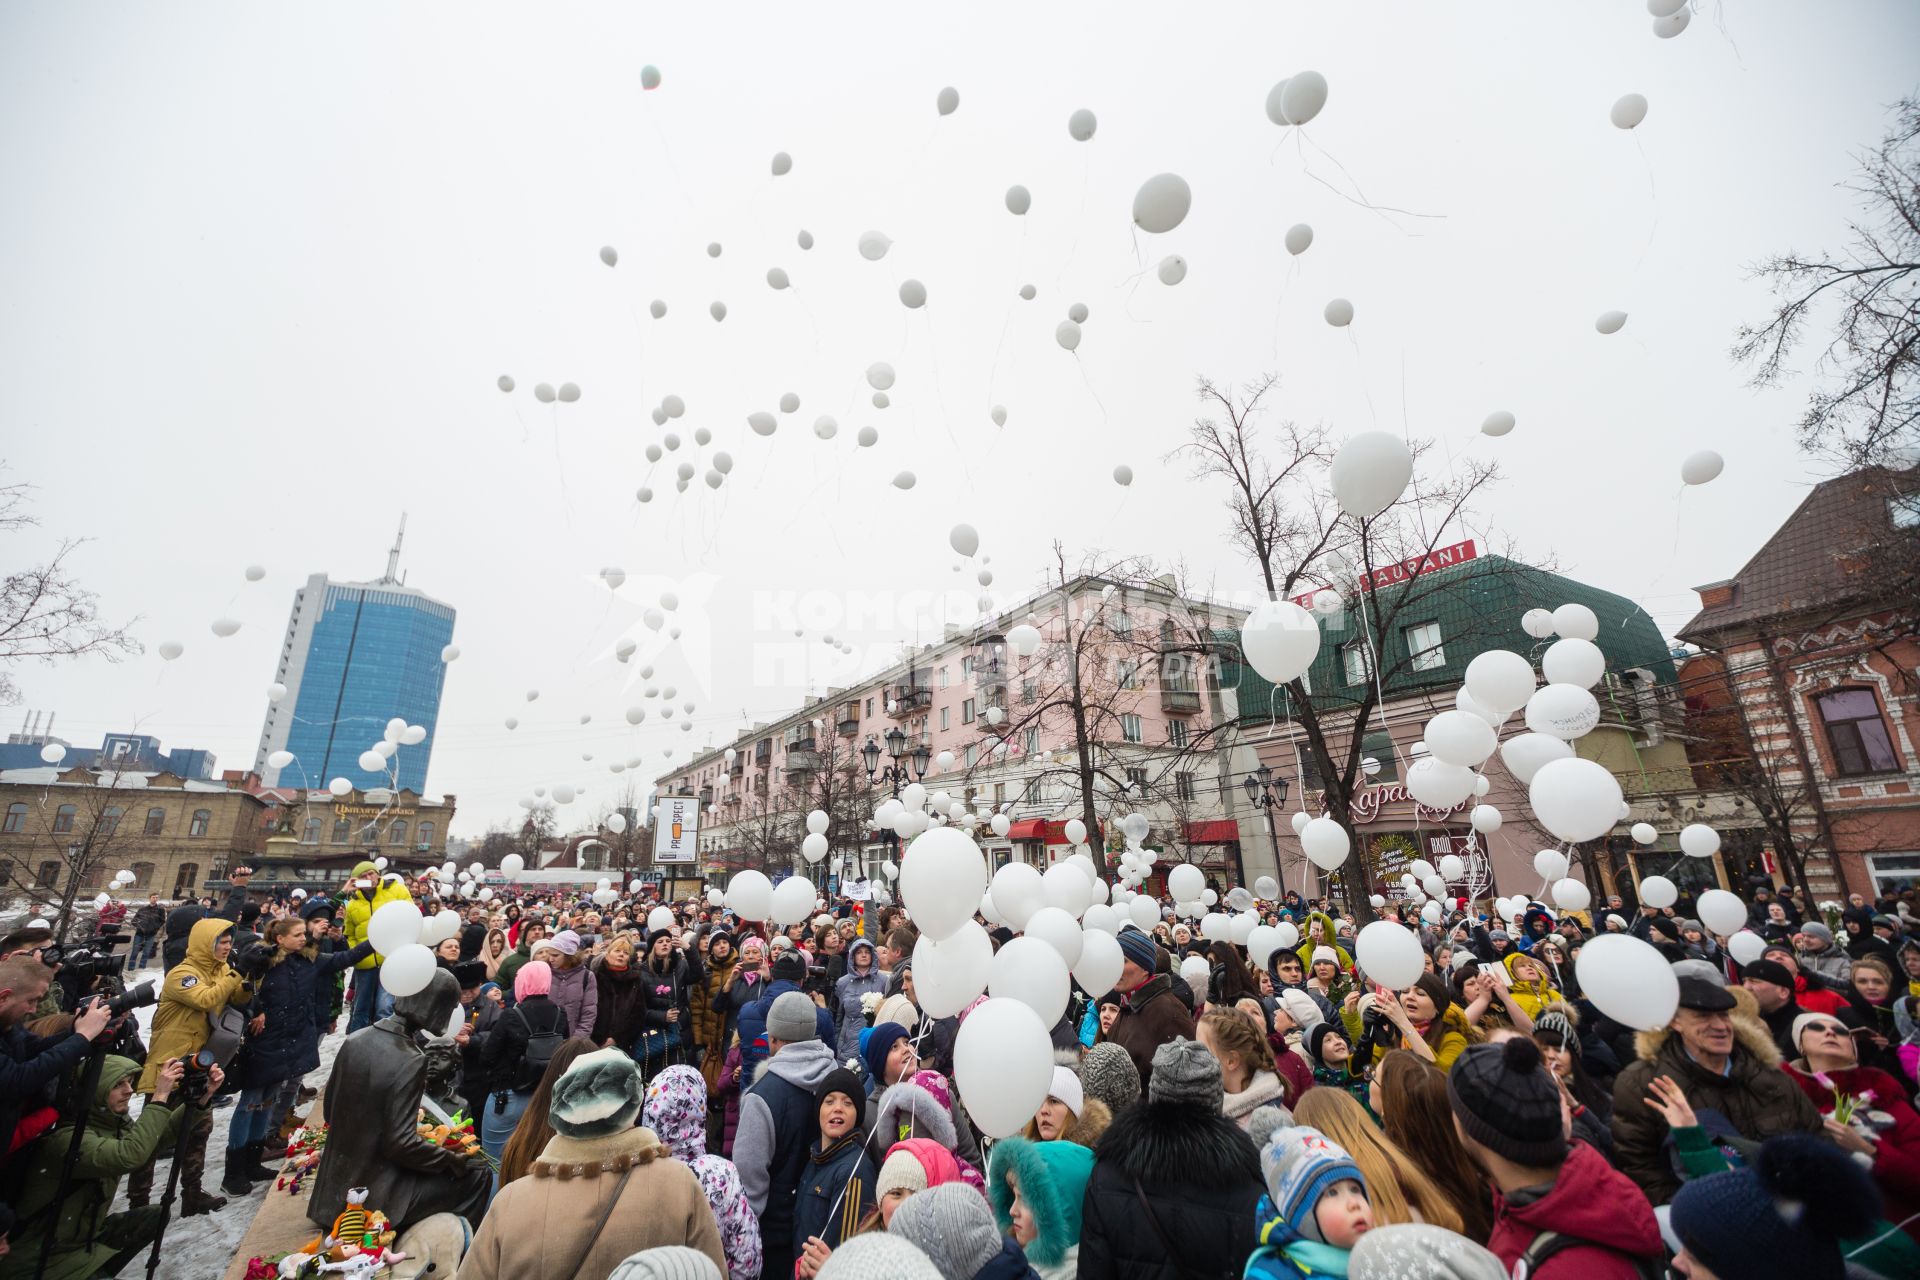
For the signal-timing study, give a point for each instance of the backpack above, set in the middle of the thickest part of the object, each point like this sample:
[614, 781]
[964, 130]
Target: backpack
[539, 1051]
[1546, 1244]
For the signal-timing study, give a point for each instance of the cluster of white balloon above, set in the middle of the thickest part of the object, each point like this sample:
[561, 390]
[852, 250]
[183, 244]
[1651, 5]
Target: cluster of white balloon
[404, 938]
[467, 882]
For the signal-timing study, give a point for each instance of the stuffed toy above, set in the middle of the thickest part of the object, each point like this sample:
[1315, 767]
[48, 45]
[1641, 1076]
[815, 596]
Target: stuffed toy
[359, 1235]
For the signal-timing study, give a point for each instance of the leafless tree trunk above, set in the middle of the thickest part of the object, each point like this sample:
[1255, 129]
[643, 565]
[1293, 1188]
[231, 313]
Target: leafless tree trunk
[45, 614]
[95, 835]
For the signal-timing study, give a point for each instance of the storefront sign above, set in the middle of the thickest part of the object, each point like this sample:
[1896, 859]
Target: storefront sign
[1405, 570]
[1369, 803]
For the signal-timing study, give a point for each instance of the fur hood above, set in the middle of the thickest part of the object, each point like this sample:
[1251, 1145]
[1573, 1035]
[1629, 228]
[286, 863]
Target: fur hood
[908, 1103]
[1091, 1124]
[1053, 1182]
[1749, 1033]
[1163, 1143]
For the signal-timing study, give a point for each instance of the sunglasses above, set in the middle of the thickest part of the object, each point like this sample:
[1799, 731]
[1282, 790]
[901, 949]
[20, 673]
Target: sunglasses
[1831, 1027]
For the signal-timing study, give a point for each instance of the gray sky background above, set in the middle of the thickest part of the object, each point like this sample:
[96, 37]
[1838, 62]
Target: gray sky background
[262, 267]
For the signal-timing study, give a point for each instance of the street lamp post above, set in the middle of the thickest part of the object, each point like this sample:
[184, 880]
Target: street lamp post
[895, 775]
[1266, 793]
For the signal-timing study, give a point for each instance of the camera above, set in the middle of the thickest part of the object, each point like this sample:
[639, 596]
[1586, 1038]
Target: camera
[253, 961]
[197, 1075]
[138, 998]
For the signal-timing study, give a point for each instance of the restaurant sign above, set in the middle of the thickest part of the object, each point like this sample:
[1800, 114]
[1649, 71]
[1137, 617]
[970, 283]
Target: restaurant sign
[1400, 571]
[1368, 804]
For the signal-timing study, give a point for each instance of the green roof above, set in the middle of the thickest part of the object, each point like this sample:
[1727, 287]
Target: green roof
[1477, 607]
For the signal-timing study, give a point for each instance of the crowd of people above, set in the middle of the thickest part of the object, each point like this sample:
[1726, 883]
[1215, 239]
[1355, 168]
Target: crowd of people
[708, 1096]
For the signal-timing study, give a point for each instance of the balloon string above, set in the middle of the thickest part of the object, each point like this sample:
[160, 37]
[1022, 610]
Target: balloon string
[1361, 365]
[1379, 210]
[1090, 391]
[1653, 199]
[940, 399]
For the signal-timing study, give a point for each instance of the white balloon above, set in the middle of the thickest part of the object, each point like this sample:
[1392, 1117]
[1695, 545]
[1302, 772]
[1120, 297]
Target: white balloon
[1030, 971]
[393, 926]
[950, 974]
[1299, 238]
[904, 480]
[1665, 8]
[373, 761]
[171, 649]
[544, 393]
[814, 847]
[1628, 981]
[1185, 883]
[1325, 843]
[999, 415]
[1454, 737]
[1523, 755]
[1575, 799]
[1370, 473]
[1571, 895]
[874, 245]
[1747, 946]
[1172, 269]
[1003, 1065]
[1067, 334]
[1280, 640]
[1673, 24]
[750, 895]
[1338, 313]
[1059, 930]
[277, 759]
[1067, 887]
[1081, 124]
[913, 294]
[1100, 962]
[1628, 111]
[825, 427]
[1452, 866]
[1300, 820]
[792, 901]
[1100, 918]
[1698, 840]
[1297, 99]
[1000, 824]
[1574, 661]
[1658, 891]
[1144, 912]
[1437, 784]
[512, 865]
[657, 308]
[1550, 864]
[1645, 833]
[1500, 680]
[717, 309]
[407, 970]
[1019, 200]
[1610, 321]
[1389, 954]
[942, 876]
[1698, 468]
[1576, 622]
[1162, 203]
[1486, 820]
[1497, 423]
[224, 627]
[1564, 711]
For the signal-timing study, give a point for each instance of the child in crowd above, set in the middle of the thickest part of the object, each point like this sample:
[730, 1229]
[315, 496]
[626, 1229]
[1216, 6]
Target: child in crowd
[837, 1189]
[1316, 1208]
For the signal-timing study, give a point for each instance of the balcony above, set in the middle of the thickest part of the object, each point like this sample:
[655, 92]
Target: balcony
[847, 728]
[990, 663]
[803, 743]
[904, 700]
[706, 796]
[738, 767]
[1179, 702]
[800, 763]
[763, 751]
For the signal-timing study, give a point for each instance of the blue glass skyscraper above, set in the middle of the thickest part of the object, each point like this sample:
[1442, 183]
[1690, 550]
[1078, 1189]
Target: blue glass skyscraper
[356, 654]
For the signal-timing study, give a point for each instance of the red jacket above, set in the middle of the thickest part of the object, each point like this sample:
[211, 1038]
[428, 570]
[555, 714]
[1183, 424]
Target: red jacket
[1896, 1158]
[1812, 999]
[1592, 1201]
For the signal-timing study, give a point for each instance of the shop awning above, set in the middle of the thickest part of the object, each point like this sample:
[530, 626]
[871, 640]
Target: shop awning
[1039, 829]
[1213, 831]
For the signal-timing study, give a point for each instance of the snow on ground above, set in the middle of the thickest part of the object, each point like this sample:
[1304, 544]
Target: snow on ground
[198, 1248]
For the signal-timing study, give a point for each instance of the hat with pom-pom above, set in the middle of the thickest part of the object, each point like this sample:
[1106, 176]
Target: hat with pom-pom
[1507, 1102]
[1784, 1214]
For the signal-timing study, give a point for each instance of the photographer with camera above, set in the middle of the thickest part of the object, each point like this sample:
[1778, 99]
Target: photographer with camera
[30, 1064]
[194, 1015]
[74, 1228]
[181, 919]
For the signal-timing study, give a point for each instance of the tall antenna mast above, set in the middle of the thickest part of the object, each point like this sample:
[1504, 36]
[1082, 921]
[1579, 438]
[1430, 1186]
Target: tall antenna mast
[393, 556]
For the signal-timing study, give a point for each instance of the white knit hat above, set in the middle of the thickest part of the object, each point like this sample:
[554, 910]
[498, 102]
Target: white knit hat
[1066, 1087]
[1326, 953]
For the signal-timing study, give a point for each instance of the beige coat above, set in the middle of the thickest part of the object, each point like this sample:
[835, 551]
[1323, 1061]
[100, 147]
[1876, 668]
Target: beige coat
[536, 1228]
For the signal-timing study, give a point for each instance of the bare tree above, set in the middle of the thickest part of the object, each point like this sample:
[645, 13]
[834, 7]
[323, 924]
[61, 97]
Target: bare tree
[769, 833]
[837, 786]
[75, 846]
[628, 846]
[1318, 549]
[1865, 409]
[45, 614]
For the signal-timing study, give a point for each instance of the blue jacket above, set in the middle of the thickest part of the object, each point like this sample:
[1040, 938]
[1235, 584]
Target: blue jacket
[753, 1027]
[848, 990]
[1010, 1264]
[836, 1192]
[294, 996]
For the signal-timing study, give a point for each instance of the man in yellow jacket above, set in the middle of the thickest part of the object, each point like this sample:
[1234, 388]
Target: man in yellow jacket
[196, 989]
[368, 895]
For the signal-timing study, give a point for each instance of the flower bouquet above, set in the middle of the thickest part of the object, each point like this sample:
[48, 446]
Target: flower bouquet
[303, 1156]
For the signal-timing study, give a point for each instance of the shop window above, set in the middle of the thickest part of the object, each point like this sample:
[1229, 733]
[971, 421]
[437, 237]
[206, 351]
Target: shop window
[1856, 732]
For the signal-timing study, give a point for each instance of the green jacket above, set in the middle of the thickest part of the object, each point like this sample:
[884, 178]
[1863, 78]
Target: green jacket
[511, 966]
[113, 1145]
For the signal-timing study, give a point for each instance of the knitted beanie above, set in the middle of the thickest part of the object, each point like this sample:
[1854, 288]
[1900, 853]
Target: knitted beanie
[1814, 929]
[1326, 953]
[1765, 970]
[1805, 1020]
[566, 942]
[667, 1262]
[841, 1080]
[879, 1043]
[1066, 1087]
[1299, 1164]
[1420, 1251]
[791, 1018]
[1138, 947]
[1507, 1102]
[1108, 1073]
[953, 1225]
[878, 1256]
[1185, 1073]
[1317, 1036]
[789, 966]
[1302, 1007]
[900, 1169]
[598, 1095]
[1784, 1214]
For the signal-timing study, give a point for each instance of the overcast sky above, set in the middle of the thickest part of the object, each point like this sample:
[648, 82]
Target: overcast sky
[262, 266]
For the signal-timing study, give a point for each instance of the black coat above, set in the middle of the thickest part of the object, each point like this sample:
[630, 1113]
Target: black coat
[29, 1065]
[507, 1043]
[472, 937]
[180, 922]
[1200, 1175]
[292, 996]
[622, 1002]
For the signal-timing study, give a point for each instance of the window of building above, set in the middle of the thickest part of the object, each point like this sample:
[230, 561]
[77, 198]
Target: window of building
[966, 667]
[397, 833]
[156, 821]
[1423, 646]
[1128, 677]
[109, 823]
[311, 833]
[1890, 870]
[1137, 781]
[1029, 691]
[966, 712]
[1177, 732]
[202, 819]
[1183, 785]
[16, 817]
[142, 875]
[1380, 747]
[1856, 732]
[48, 877]
[943, 677]
[342, 831]
[426, 834]
[185, 878]
[1130, 728]
[973, 753]
[1358, 669]
[1030, 739]
[63, 818]
[869, 706]
[1122, 622]
[1904, 511]
[945, 723]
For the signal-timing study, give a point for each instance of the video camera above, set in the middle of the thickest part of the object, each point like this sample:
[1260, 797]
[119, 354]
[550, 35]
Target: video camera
[197, 1074]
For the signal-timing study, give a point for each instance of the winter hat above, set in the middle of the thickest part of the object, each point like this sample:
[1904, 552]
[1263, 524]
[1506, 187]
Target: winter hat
[1506, 1101]
[841, 1080]
[1665, 926]
[792, 1019]
[566, 942]
[1814, 929]
[654, 935]
[1767, 971]
[1435, 988]
[469, 973]
[1556, 1022]
[667, 1262]
[1299, 1164]
[1109, 1074]
[598, 1095]
[676, 1111]
[1616, 921]
[1138, 947]
[789, 966]
[753, 943]
[1266, 1121]
[1185, 1073]
[534, 978]
[1705, 969]
[899, 1169]
[953, 1226]
[1420, 1251]
[1317, 1036]
[1784, 1214]
[1306, 1013]
[879, 1043]
[1699, 994]
[1066, 1087]
[1327, 954]
[1499, 935]
[1053, 1183]
[878, 1256]
[1805, 1020]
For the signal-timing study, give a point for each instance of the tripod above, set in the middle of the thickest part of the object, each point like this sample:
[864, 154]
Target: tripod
[81, 1103]
[189, 1088]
